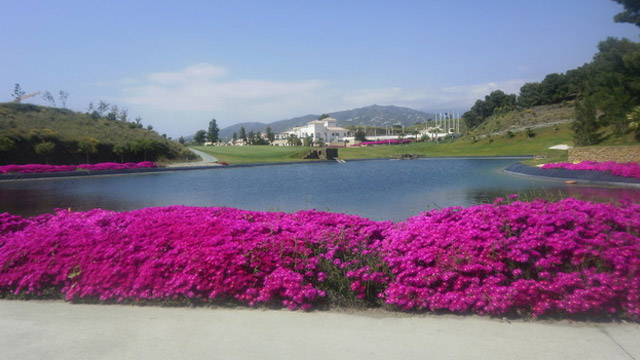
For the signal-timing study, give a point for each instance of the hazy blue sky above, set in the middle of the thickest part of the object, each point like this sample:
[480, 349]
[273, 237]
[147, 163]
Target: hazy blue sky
[178, 64]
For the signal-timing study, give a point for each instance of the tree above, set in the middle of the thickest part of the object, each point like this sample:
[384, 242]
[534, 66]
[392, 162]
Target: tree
[123, 115]
[63, 95]
[181, 140]
[213, 131]
[88, 146]
[360, 135]
[323, 116]
[234, 137]
[148, 148]
[243, 133]
[585, 127]
[18, 93]
[113, 113]
[251, 137]
[198, 138]
[634, 117]
[102, 108]
[121, 149]
[307, 141]
[45, 149]
[270, 135]
[6, 144]
[293, 140]
[495, 102]
[631, 13]
[49, 98]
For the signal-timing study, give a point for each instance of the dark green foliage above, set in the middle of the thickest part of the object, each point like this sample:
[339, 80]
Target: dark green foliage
[631, 13]
[585, 127]
[243, 133]
[530, 133]
[270, 135]
[213, 131]
[496, 102]
[46, 149]
[17, 93]
[608, 87]
[199, 137]
[360, 135]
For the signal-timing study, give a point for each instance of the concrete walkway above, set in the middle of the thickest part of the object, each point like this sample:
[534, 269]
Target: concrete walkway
[206, 158]
[58, 330]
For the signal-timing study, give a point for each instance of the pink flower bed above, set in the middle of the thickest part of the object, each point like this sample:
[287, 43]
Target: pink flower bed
[533, 258]
[38, 168]
[630, 169]
[117, 166]
[35, 168]
[384, 142]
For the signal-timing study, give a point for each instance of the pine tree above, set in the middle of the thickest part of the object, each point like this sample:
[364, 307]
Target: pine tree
[213, 131]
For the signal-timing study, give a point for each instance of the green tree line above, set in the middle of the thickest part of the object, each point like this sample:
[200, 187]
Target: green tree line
[606, 90]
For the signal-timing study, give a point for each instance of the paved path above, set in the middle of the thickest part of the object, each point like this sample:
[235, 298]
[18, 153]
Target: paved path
[58, 330]
[206, 160]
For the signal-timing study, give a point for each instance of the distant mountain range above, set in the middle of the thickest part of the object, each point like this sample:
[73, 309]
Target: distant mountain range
[374, 115]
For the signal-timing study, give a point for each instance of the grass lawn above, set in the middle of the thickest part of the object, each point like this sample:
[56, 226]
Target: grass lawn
[517, 145]
[255, 154]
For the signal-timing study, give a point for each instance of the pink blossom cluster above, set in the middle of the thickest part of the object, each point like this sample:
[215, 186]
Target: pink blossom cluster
[173, 252]
[532, 258]
[39, 168]
[630, 169]
[540, 258]
[35, 168]
[117, 166]
[384, 142]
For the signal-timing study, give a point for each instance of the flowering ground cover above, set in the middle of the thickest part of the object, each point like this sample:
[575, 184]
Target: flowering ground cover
[533, 258]
[39, 168]
[384, 142]
[630, 169]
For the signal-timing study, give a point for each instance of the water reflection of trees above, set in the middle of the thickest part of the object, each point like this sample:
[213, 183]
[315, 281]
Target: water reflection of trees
[31, 202]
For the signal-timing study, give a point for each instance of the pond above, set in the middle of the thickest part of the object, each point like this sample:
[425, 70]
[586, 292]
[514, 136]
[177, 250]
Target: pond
[376, 189]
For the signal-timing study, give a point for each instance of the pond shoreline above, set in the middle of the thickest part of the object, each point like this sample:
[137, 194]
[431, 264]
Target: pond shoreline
[83, 173]
[582, 176]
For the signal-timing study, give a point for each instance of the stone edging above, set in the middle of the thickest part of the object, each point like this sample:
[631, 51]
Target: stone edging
[582, 176]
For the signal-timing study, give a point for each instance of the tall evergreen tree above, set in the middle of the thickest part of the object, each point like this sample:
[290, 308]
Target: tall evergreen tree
[213, 131]
[270, 135]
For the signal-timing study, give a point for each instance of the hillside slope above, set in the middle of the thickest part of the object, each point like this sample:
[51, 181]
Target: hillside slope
[520, 120]
[38, 134]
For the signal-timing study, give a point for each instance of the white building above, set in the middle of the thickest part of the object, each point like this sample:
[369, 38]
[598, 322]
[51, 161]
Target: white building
[325, 130]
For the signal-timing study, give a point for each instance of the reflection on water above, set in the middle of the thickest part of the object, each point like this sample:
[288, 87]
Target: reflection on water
[380, 189]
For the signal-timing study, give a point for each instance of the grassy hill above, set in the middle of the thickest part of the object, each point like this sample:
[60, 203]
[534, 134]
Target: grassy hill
[523, 119]
[39, 134]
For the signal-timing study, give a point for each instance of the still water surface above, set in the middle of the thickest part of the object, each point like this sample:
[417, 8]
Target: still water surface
[377, 189]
